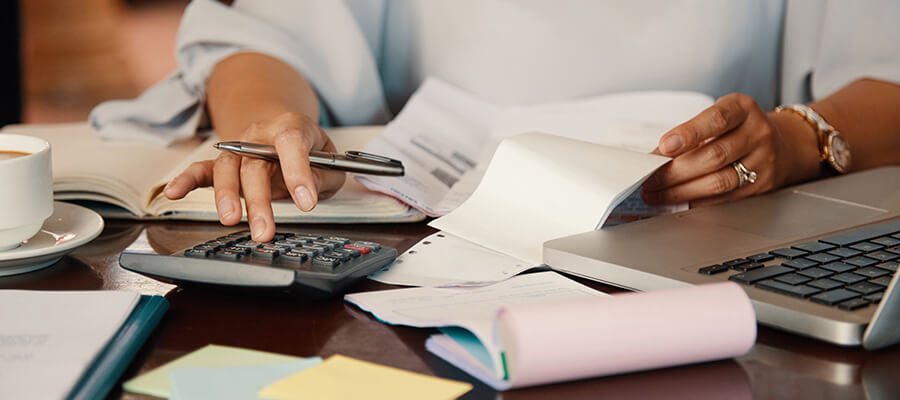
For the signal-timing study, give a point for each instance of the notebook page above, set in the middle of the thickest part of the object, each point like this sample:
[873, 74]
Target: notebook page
[83, 162]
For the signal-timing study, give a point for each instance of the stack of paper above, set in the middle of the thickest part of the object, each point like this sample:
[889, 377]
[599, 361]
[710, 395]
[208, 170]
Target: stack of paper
[541, 328]
[223, 373]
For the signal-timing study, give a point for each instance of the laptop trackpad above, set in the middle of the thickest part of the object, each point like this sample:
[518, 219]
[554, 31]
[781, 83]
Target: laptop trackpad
[787, 215]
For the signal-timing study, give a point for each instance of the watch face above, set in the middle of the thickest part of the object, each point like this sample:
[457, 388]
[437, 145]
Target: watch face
[838, 153]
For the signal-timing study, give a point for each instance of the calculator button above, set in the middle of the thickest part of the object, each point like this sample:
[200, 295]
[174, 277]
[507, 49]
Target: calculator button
[865, 287]
[361, 249]
[861, 261]
[801, 291]
[799, 263]
[197, 253]
[339, 239]
[826, 284]
[883, 255]
[294, 256]
[249, 245]
[325, 262]
[889, 265]
[374, 246]
[816, 272]
[883, 281]
[307, 253]
[874, 297]
[325, 243]
[350, 252]
[822, 258]
[204, 247]
[746, 267]
[736, 262]
[317, 248]
[241, 250]
[277, 247]
[867, 246]
[886, 241]
[844, 252]
[872, 272]
[338, 255]
[286, 243]
[229, 255]
[265, 253]
[848, 278]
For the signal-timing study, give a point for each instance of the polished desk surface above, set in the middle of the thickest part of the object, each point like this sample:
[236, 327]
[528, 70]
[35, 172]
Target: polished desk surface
[780, 366]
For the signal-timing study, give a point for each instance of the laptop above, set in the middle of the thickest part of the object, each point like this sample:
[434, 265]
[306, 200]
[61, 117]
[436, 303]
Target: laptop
[818, 259]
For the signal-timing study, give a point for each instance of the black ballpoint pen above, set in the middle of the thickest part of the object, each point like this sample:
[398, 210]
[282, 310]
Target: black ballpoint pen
[351, 161]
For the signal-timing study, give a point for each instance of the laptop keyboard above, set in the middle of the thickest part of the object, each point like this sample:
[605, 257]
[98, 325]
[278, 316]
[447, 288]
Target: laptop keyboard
[849, 271]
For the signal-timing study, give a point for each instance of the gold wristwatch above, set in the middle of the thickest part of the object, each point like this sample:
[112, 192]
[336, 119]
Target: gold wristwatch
[833, 149]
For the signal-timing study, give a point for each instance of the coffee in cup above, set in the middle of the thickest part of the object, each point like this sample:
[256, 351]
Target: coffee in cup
[26, 188]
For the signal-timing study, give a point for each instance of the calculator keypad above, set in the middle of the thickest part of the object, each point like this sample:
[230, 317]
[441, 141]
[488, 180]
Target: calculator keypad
[286, 250]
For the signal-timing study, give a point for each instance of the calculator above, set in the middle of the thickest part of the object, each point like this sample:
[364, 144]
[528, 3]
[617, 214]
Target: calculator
[292, 263]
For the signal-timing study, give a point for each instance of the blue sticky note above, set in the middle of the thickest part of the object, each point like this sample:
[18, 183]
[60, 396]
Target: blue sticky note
[225, 383]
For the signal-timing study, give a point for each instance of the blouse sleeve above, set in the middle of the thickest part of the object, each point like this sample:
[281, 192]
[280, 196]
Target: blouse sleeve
[828, 44]
[322, 39]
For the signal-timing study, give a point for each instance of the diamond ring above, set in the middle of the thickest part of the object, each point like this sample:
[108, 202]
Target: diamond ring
[745, 175]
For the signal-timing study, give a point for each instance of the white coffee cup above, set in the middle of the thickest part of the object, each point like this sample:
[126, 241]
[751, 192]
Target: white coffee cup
[26, 188]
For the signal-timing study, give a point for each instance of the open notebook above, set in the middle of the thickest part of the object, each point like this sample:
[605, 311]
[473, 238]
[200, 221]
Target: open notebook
[131, 176]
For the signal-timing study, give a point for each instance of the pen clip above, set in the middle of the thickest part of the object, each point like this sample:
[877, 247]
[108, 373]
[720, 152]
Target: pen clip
[373, 157]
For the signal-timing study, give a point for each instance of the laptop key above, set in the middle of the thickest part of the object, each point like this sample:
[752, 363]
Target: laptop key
[865, 233]
[890, 266]
[826, 284]
[874, 297]
[854, 304]
[886, 241]
[822, 258]
[813, 247]
[736, 262]
[845, 252]
[751, 277]
[872, 272]
[793, 279]
[747, 267]
[761, 257]
[816, 272]
[883, 281]
[882, 255]
[833, 297]
[713, 269]
[865, 287]
[867, 246]
[800, 291]
[839, 267]
[861, 261]
[848, 278]
[799, 263]
[788, 253]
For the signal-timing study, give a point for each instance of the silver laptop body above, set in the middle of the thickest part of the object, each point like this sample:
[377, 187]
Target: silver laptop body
[668, 251]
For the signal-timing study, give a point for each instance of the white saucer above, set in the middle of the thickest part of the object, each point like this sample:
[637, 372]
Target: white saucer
[68, 227]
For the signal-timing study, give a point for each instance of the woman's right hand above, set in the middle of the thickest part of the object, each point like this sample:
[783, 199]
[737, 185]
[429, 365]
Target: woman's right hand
[294, 135]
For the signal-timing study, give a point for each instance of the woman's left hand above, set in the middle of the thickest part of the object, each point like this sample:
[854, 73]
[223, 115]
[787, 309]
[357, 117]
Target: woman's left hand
[707, 149]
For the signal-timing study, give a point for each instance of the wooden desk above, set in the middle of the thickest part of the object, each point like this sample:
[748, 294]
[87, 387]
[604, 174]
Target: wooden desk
[780, 366]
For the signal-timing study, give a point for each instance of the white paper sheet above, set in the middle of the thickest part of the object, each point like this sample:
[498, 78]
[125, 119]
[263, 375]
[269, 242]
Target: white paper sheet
[442, 259]
[540, 187]
[439, 136]
[48, 339]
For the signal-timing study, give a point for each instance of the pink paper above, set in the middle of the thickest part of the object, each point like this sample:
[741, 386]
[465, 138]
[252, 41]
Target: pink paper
[584, 338]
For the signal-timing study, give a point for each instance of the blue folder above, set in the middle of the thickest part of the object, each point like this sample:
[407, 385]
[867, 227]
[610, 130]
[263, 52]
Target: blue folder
[115, 357]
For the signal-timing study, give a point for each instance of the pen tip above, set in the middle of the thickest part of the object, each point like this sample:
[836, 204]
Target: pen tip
[216, 145]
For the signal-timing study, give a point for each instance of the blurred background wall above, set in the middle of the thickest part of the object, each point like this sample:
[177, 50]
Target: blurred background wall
[75, 54]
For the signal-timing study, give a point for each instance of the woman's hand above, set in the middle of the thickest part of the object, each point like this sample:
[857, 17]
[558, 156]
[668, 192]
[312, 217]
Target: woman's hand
[294, 136]
[780, 149]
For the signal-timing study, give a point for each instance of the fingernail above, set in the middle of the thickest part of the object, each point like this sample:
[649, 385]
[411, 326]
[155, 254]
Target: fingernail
[304, 197]
[257, 226]
[166, 189]
[226, 208]
[671, 144]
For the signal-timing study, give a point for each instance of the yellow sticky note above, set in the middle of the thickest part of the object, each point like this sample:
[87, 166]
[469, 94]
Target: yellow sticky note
[156, 382]
[341, 377]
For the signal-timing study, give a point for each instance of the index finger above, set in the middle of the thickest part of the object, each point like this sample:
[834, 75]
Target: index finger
[726, 114]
